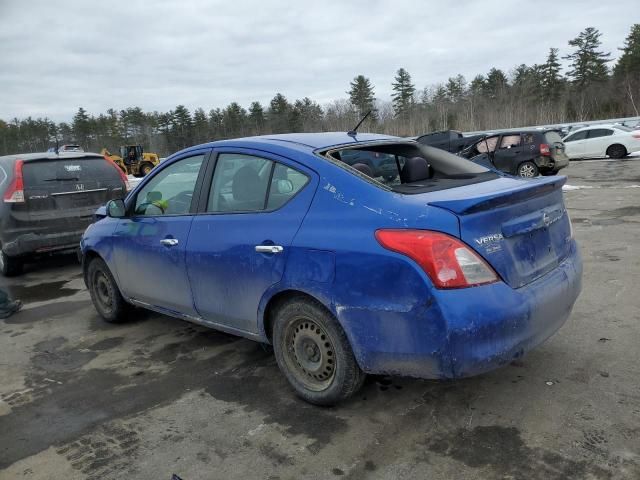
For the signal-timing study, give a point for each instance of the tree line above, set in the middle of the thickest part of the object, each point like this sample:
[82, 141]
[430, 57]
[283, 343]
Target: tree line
[589, 88]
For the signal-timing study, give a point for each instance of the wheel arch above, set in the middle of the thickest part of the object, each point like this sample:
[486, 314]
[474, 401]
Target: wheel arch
[270, 303]
[617, 144]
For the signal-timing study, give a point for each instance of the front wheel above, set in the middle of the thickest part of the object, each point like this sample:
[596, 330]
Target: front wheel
[528, 170]
[105, 294]
[10, 266]
[314, 354]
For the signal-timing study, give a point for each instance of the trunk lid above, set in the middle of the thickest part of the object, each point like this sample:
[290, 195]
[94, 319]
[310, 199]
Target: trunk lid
[520, 227]
[69, 190]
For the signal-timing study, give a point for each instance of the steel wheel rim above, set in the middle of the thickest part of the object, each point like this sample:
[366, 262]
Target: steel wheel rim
[527, 171]
[309, 354]
[102, 290]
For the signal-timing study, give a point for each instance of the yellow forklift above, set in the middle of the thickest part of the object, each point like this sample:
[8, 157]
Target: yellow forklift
[133, 160]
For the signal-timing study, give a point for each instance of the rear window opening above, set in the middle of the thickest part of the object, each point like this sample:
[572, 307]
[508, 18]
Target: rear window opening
[90, 170]
[408, 167]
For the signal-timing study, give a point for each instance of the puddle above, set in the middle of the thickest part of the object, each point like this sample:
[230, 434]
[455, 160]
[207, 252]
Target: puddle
[41, 292]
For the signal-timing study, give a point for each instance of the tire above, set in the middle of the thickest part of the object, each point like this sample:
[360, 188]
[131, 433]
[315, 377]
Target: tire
[105, 293]
[10, 266]
[314, 354]
[616, 151]
[145, 168]
[528, 170]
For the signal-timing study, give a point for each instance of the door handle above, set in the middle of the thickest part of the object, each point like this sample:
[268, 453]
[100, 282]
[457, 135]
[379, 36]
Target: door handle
[169, 242]
[269, 249]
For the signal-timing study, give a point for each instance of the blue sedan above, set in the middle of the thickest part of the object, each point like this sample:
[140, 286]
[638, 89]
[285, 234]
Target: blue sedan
[441, 269]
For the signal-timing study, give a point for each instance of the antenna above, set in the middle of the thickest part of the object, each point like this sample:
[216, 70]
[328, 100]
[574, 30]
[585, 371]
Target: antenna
[354, 132]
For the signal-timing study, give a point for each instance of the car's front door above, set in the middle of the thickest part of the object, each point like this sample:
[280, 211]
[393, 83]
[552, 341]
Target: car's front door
[508, 154]
[240, 239]
[575, 144]
[150, 243]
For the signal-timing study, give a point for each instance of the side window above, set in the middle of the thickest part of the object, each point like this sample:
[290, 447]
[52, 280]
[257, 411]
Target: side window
[527, 138]
[240, 183]
[599, 132]
[576, 136]
[509, 141]
[170, 191]
[487, 145]
[244, 183]
[286, 182]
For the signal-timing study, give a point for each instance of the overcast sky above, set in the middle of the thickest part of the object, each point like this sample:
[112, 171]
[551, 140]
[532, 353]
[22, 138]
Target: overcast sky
[59, 55]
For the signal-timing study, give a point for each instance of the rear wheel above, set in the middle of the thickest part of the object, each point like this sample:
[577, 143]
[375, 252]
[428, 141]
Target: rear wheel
[617, 151]
[105, 294]
[10, 266]
[314, 354]
[528, 170]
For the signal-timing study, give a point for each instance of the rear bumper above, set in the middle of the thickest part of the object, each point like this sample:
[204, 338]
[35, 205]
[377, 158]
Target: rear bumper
[466, 332]
[545, 163]
[41, 243]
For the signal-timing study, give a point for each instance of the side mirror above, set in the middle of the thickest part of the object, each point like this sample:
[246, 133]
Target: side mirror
[116, 208]
[284, 186]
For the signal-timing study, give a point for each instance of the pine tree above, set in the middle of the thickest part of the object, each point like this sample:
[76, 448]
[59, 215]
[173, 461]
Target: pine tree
[81, 127]
[588, 64]
[200, 126]
[456, 88]
[551, 80]
[496, 83]
[257, 117]
[402, 97]
[362, 96]
[279, 109]
[629, 61]
[627, 70]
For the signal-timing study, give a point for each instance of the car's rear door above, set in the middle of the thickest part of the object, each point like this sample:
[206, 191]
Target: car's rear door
[240, 238]
[149, 244]
[508, 154]
[597, 142]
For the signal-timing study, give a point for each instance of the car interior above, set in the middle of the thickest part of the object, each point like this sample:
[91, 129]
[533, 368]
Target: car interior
[420, 168]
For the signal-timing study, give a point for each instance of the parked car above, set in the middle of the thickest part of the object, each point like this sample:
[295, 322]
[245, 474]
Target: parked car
[450, 270]
[48, 201]
[615, 141]
[525, 153]
[448, 140]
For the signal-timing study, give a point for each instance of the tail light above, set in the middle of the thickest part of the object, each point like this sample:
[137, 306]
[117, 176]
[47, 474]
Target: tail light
[448, 262]
[123, 176]
[635, 134]
[15, 190]
[545, 149]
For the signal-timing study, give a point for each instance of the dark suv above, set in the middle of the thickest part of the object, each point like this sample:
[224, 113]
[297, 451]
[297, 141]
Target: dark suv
[48, 200]
[526, 153]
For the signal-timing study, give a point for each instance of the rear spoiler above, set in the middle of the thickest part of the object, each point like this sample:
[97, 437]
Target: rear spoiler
[525, 190]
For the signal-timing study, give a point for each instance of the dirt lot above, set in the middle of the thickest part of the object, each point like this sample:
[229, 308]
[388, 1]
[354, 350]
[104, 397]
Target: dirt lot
[84, 399]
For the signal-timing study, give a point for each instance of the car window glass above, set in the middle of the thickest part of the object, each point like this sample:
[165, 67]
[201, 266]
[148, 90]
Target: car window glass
[527, 138]
[577, 136]
[171, 190]
[600, 132]
[240, 183]
[487, 145]
[509, 141]
[285, 183]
